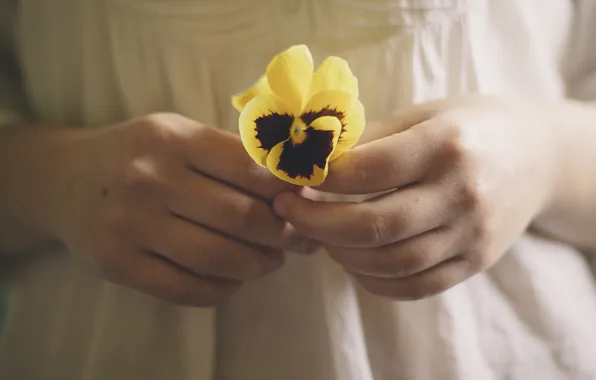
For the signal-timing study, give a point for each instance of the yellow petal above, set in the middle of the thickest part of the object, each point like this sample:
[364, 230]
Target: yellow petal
[307, 163]
[334, 74]
[290, 76]
[327, 103]
[264, 122]
[240, 100]
[353, 126]
[346, 108]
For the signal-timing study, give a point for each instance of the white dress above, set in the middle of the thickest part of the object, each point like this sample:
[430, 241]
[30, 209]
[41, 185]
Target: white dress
[91, 62]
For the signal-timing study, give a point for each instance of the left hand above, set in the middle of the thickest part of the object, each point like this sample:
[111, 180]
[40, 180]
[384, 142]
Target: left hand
[462, 179]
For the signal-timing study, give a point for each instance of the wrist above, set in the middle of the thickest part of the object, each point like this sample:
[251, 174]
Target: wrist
[556, 156]
[38, 163]
[569, 214]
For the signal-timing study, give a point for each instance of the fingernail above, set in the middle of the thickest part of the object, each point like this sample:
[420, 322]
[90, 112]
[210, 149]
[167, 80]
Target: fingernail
[312, 194]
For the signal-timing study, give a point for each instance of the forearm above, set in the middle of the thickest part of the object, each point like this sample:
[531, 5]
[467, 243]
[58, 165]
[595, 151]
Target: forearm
[571, 214]
[33, 172]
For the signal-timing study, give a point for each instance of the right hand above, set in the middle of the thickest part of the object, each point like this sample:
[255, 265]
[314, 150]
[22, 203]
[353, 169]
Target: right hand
[175, 209]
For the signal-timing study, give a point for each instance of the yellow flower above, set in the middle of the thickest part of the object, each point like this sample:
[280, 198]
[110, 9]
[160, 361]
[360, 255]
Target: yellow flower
[294, 122]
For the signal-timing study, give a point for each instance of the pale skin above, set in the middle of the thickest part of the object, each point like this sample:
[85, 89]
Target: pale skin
[162, 204]
[471, 175]
[177, 210]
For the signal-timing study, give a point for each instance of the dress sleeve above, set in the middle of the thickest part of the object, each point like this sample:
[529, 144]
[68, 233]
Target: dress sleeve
[580, 62]
[13, 105]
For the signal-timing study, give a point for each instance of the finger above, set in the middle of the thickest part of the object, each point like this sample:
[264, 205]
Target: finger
[210, 254]
[406, 117]
[221, 155]
[232, 212]
[401, 120]
[151, 274]
[373, 223]
[420, 285]
[400, 259]
[391, 162]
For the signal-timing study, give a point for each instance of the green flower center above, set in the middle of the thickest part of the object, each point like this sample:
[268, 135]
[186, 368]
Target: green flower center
[297, 131]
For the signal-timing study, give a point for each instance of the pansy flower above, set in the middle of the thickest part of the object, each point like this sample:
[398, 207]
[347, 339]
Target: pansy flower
[294, 122]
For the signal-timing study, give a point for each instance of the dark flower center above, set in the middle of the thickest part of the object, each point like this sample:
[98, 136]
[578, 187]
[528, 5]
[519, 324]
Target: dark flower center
[304, 147]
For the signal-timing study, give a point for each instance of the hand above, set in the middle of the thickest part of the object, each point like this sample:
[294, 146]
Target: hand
[461, 182]
[174, 209]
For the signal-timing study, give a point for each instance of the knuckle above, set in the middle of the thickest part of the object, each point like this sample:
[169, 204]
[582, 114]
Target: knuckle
[453, 147]
[376, 229]
[247, 170]
[203, 134]
[469, 195]
[161, 118]
[453, 151]
[372, 173]
[380, 229]
[358, 172]
[162, 129]
[239, 215]
[142, 174]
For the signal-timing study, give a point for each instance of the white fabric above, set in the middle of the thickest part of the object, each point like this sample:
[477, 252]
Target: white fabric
[580, 66]
[88, 62]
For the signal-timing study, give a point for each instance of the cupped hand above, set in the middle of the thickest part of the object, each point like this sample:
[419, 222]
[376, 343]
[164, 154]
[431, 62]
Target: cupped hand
[460, 179]
[175, 209]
